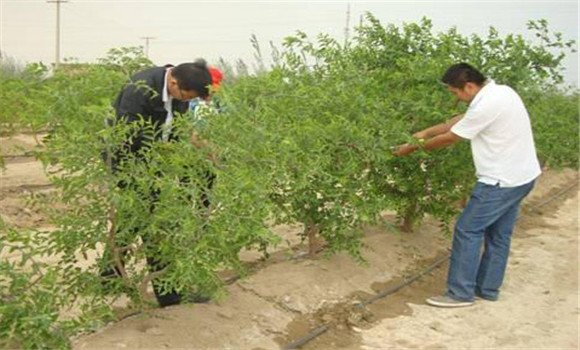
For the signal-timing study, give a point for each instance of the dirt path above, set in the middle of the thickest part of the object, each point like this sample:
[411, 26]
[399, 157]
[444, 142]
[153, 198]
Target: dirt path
[538, 308]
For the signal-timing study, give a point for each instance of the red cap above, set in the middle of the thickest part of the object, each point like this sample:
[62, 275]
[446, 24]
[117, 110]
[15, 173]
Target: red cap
[216, 76]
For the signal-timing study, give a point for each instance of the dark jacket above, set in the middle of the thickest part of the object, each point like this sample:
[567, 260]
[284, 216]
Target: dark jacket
[143, 98]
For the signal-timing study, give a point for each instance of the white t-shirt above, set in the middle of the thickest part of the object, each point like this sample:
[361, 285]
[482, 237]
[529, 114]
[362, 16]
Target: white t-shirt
[502, 143]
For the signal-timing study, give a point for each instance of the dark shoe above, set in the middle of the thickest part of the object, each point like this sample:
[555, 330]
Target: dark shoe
[168, 299]
[198, 298]
[448, 302]
[175, 299]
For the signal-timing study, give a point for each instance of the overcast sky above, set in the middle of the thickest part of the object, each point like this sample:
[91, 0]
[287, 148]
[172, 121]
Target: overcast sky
[188, 29]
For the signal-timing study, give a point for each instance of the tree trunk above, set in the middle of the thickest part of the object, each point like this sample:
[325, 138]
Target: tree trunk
[407, 225]
[312, 231]
[409, 219]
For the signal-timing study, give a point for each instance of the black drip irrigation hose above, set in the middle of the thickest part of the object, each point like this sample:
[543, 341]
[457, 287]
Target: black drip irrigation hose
[403, 284]
[318, 331]
[301, 341]
[384, 293]
[321, 329]
[27, 154]
[13, 156]
[556, 196]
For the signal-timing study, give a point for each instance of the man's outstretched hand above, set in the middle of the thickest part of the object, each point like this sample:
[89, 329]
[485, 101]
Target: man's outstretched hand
[403, 150]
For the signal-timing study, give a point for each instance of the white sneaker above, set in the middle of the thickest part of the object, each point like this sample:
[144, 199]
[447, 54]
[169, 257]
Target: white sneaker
[447, 301]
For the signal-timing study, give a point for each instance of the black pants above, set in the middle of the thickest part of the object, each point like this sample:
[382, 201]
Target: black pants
[173, 297]
[170, 297]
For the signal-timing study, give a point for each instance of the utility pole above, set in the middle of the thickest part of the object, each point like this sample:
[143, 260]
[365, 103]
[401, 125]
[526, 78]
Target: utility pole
[1, 30]
[57, 2]
[346, 29]
[147, 38]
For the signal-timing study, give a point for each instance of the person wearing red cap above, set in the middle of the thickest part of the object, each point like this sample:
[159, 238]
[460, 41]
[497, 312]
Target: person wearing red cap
[197, 105]
[216, 77]
[200, 108]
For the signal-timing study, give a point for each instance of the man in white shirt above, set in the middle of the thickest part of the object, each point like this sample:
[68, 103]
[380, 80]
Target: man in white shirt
[502, 144]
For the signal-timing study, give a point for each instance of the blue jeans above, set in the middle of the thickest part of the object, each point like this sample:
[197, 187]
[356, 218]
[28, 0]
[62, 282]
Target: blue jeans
[488, 219]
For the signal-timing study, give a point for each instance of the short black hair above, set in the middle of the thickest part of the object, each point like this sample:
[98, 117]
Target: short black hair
[200, 61]
[462, 73]
[193, 77]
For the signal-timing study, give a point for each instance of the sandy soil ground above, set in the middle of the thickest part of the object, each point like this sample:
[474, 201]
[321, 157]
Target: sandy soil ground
[538, 307]
[286, 298]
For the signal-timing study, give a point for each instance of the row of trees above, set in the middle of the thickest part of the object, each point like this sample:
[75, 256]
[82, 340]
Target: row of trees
[307, 141]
